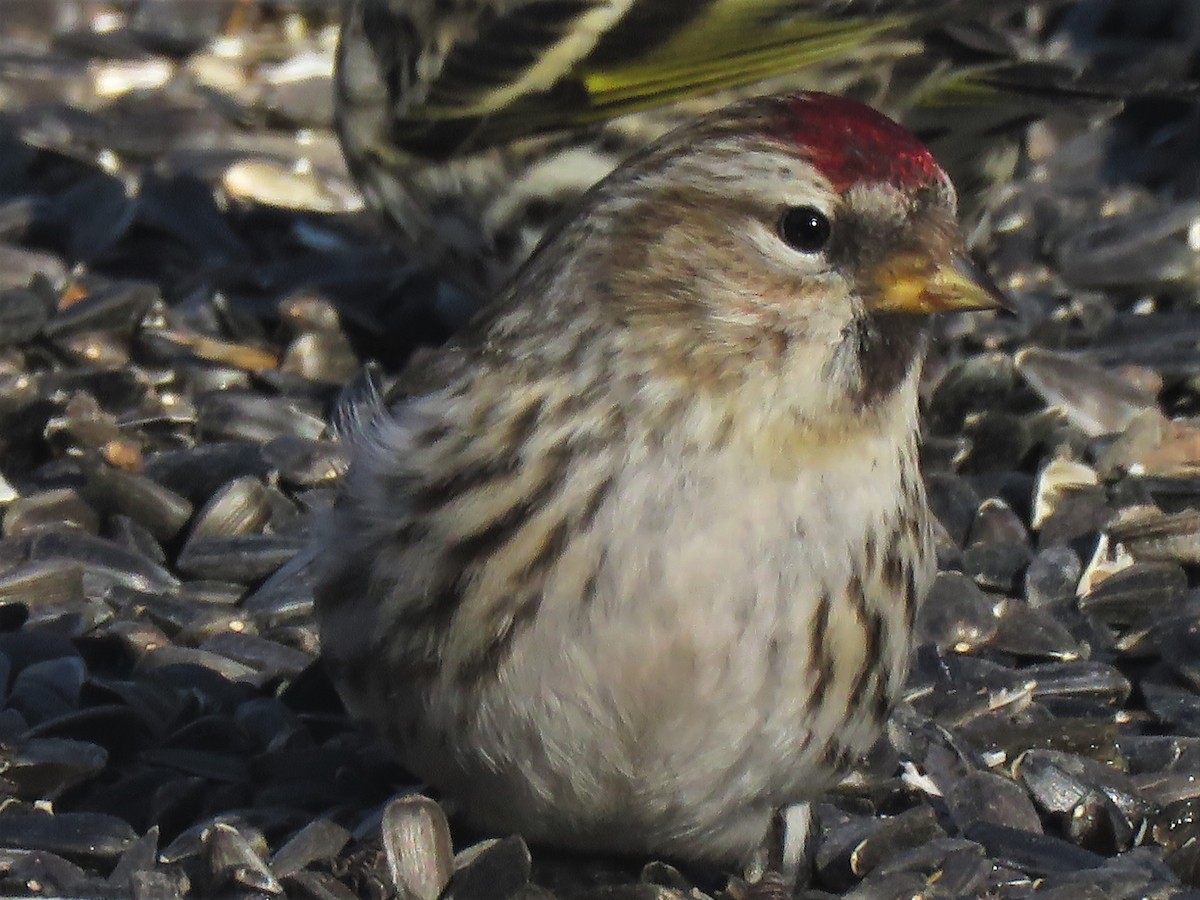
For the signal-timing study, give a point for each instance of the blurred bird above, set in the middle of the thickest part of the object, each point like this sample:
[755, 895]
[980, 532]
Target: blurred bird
[470, 123]
[633, 562]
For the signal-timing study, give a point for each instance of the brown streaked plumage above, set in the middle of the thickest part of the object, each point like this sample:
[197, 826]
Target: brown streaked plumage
[634, 562]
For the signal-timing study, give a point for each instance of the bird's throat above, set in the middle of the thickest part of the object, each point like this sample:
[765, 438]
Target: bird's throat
[885, 347]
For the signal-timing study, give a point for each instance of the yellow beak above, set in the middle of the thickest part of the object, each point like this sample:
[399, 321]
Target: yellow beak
[915, 283]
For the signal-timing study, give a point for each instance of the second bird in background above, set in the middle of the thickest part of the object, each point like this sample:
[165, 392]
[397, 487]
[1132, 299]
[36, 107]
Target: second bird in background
[470, 124]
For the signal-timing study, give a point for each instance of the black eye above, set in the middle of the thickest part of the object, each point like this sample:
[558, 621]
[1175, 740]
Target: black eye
[805, 229]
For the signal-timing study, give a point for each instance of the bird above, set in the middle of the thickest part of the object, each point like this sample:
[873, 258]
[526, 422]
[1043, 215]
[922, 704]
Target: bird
[470, 125]
[631, 564]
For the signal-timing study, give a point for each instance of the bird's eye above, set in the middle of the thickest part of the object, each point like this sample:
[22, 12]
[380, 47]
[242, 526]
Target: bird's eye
[805, 228]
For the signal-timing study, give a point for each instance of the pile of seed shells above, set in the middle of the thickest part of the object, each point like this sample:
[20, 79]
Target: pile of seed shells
[188, 288]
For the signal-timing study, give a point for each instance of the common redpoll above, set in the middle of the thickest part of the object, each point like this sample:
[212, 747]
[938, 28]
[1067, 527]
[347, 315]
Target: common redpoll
[634, 562]
[471, 124]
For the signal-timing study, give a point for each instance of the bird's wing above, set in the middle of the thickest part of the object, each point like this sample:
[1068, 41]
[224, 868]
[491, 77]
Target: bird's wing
[542, 65]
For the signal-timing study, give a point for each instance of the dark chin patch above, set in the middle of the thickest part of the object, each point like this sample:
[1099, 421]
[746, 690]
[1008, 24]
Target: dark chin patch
[887, 346]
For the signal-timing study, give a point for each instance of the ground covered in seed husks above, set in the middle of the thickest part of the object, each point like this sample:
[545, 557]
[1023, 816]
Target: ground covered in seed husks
[188, 284]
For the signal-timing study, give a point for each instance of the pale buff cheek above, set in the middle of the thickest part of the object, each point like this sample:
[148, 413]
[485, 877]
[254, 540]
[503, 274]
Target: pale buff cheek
[784, 309]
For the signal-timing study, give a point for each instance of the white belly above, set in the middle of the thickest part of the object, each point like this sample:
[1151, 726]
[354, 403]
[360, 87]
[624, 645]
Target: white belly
[670, 704]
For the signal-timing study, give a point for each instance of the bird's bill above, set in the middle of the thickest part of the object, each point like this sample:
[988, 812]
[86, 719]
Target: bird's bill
[915, 283]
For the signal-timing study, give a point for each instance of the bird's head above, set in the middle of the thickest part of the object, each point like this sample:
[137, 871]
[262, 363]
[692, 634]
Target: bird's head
[805, 236]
